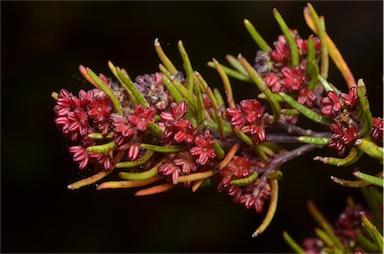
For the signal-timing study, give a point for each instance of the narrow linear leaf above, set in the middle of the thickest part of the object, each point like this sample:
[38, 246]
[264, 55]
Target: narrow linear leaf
[256, 36]
[290, 39]
[163, 57]
[271, 209]
[304, 110]
[132, 88]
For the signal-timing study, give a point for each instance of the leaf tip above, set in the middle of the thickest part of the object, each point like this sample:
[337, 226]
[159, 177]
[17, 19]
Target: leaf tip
[156, 43]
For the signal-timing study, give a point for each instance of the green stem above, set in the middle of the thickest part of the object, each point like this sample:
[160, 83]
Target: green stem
[115, 102]
[290, 39]
[304, 110]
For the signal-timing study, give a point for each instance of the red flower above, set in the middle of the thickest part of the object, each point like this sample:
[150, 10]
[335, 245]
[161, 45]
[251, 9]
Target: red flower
[100, 108]
[293, 78]
[104, 161]
[169, 168]
[236, 117]
[331, 104]
[342, 137]
[282, 52]
[80, 155]
[257, 132]
[184, 131]
[306, 97]
[177, 111]
[239, 167]
[203, 148]
[254, 195]
[351, 99]
[141, 117]
[273, 82]
[121, 126]
[185, 161]
[378, 129]
[252, 110]
[79, 121]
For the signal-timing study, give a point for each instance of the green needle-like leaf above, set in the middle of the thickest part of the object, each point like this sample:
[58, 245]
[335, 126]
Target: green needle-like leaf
[292, 243]
[369, 178]
[115, 102]
[366, 113]
[230, 72]
[256, 36]
[132, 88]
[304, 110]
[236, 64]
[271, 209]
[163, 57]
[187, 66]
[163, 149]
[130, 164]
[227, 84]
[290, 39]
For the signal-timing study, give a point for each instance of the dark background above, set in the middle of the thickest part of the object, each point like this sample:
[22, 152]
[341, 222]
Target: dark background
[43, 44]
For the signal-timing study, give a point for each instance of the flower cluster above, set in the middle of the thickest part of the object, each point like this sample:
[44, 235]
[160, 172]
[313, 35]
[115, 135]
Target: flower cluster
[277, 73]
[239, 180]
[247, 117]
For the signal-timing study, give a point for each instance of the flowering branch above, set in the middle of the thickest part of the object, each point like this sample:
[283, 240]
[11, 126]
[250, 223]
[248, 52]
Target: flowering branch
[171, 128]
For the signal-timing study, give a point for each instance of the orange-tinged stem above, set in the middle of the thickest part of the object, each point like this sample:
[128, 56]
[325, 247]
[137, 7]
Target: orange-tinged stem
[127, 184]
[96, 177]
[84, 72]
[155, 189]
[333, 52]
[231, 153]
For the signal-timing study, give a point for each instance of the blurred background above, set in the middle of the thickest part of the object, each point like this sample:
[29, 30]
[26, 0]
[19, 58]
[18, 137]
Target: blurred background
[42, 45]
